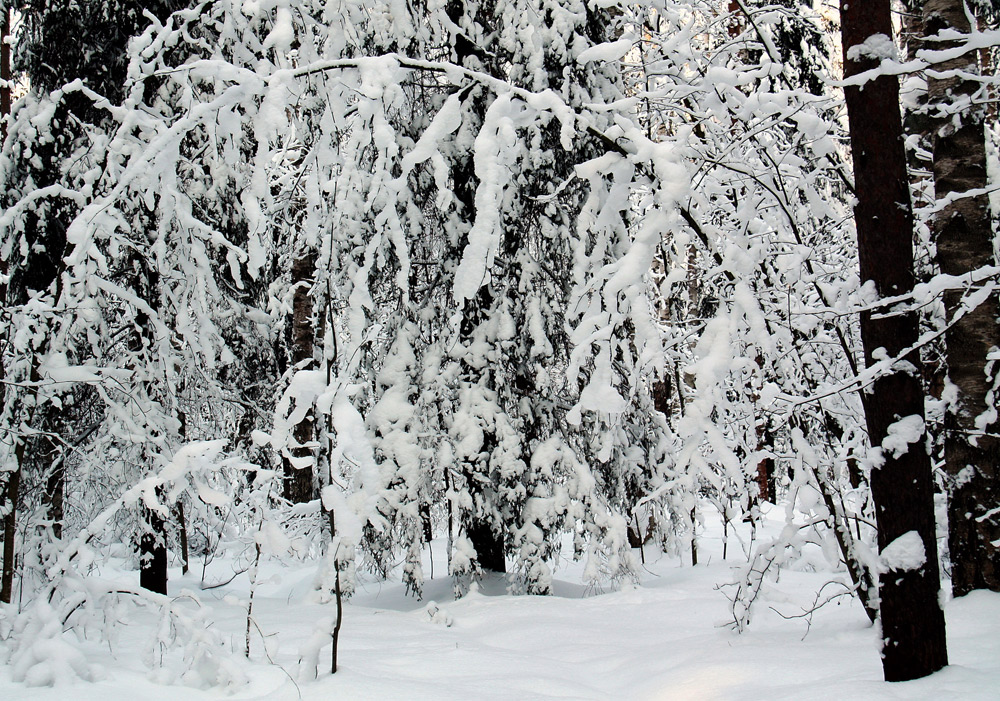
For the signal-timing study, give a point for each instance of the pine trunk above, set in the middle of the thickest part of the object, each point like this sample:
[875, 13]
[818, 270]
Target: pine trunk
[964, 236]
[14, 478]
[182, 533]
[55, 493]
[11, 496]
[299, 480]
[153, 553]
[479, 522]
[913, 627]
[5, 73]
[488, 545]
[48, 458]
[152, 538]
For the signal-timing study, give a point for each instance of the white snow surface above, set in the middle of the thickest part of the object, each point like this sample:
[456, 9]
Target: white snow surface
[909, 429]
[904, 553]
[663, 639]
[611, 51]
[877, 46]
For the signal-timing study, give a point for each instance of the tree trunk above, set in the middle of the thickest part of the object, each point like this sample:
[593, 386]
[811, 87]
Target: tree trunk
[913, 628]
[48, 458]
[425, 520]
[479, 526]
[55, 493]
[765, 476]
[964, 236]
[152, 536]
[299, 480]
[694, 537]
[14, 478]
[182, 528]
[11, 494]
[153, 553]
[5, 73]
[488, 545]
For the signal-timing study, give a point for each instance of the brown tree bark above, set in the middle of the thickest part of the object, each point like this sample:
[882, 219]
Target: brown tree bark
[14, 478]
[486, 536]
[47, 456]
[11, 496]
[5, 72]
[913, 627]
[55, 491]
[964, 236]
[765, 473]
[153, 534]
[488, 544]
[183, 535]
[299, 481]
[153, 553]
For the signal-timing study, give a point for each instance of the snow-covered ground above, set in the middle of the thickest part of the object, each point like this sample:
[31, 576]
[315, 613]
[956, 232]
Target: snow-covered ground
[664, 639]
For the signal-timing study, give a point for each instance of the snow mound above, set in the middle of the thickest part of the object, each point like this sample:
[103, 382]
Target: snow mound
[905, 553]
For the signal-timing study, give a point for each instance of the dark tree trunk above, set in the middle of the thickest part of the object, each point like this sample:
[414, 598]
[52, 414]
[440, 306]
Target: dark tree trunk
[179, 506]
[765, 441]
[13, 482]
[152, 538]
[662, 394]
[479, 522]
[47, 456]
[5, 72]
[964, 236]
[694, 538]
[153, 554]
[913, 628]
[55, 493]
[765, 476]
[183, 534]
[425, 520]
[488, 545]
[11, 496]
[299, 480]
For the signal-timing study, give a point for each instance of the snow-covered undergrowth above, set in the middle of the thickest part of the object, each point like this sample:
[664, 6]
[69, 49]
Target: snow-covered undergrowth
[667, 638]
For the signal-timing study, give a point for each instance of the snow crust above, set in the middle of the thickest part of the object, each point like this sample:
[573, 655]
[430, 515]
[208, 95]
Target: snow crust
[905, 553]
[611, 51]
[900, 434]
[877, 46]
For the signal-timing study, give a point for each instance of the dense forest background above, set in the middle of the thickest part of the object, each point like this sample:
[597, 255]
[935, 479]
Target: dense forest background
[324, 281]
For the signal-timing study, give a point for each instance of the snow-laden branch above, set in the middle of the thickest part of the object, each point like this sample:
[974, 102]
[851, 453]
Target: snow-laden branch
[926, 59]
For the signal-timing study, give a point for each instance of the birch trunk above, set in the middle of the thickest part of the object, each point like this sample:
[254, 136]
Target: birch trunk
[963, 231]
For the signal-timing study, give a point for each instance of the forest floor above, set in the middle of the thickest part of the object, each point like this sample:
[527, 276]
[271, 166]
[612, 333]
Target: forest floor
[666, 638]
